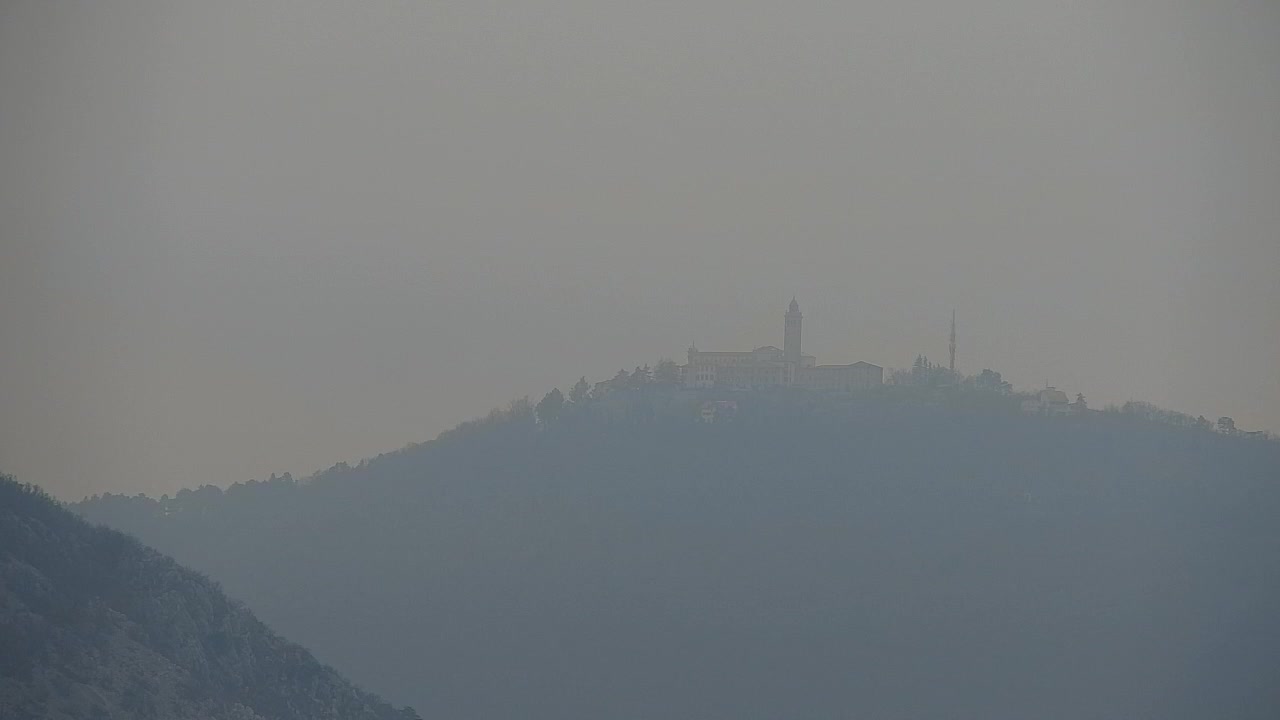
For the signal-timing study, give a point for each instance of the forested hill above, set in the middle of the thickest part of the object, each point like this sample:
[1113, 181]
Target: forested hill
[95, 625]
[873, 556]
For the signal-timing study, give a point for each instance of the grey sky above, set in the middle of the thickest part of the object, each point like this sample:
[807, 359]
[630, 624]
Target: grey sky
[246, 237]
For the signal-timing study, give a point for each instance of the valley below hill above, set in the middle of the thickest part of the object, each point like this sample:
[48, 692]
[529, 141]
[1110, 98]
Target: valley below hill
[860, 559]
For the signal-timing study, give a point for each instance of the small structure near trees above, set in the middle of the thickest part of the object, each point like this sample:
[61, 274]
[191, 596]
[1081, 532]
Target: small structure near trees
[1049, 401]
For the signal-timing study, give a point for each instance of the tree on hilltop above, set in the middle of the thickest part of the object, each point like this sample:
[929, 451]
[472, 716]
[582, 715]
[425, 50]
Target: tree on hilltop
[990, 380]
[549, 406]
[641, 377]
[666, 372]
[580, 391]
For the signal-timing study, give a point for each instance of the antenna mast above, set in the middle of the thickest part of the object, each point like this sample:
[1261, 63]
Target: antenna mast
[953, 342]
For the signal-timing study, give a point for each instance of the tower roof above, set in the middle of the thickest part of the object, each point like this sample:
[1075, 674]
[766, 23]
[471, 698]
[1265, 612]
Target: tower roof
[795, 306]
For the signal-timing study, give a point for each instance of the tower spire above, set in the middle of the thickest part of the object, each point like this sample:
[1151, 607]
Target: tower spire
[791, 334]
[953, 341]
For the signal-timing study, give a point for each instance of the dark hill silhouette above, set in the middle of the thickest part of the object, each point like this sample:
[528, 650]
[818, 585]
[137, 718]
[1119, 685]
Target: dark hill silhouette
[869, 557]
[94, 625]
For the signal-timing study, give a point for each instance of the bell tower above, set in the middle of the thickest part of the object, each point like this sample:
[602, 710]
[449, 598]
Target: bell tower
[791, 334]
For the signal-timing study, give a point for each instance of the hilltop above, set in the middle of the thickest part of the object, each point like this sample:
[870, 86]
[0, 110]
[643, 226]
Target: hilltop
[922, 553]
[95, 625]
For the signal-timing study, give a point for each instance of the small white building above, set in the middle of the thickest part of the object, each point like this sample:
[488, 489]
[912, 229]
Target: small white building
[1049, 401]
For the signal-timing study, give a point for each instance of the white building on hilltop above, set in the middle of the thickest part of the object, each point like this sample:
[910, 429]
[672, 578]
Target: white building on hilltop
[768, 366]
[1049, 401]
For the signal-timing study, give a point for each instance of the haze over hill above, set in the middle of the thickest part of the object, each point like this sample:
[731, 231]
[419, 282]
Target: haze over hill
[94, 625]
[903, 552]
[243, 237]
[249, 236]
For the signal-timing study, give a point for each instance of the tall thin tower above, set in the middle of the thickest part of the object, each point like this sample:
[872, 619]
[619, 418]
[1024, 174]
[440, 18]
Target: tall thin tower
[953, 342]
[791, 333]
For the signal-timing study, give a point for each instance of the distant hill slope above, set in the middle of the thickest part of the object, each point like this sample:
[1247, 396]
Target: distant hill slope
[94, 625]
[869, 557]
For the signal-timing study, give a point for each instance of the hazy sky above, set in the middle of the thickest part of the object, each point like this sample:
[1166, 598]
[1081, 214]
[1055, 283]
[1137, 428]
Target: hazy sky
[239, 238]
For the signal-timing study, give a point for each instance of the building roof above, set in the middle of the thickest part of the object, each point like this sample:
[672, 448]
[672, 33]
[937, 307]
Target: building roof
[860, 363]
[1052, 395]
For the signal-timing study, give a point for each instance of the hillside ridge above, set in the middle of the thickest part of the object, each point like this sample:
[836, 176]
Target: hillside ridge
[813, 556]
[96, 625]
